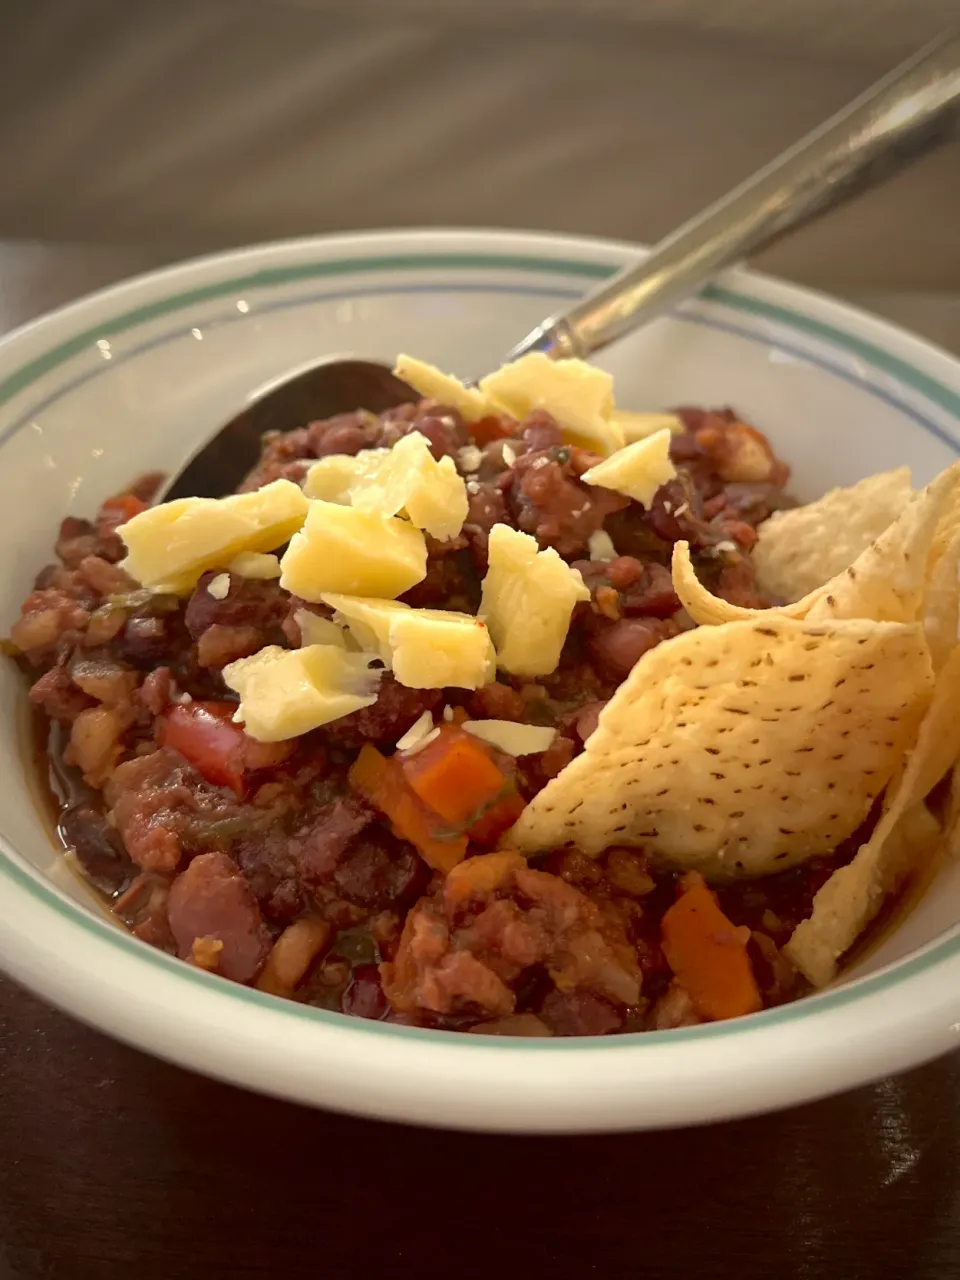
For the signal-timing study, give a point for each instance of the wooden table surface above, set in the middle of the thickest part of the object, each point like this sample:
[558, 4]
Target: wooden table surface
[115, 1165]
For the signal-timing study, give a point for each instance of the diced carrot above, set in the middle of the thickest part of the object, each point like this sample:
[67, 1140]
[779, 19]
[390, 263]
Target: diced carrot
[501, 815]
[382, 783]
[708, 954]
[117, 511]
[455, 776]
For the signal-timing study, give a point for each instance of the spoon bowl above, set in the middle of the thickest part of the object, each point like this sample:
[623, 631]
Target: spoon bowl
[321, 389]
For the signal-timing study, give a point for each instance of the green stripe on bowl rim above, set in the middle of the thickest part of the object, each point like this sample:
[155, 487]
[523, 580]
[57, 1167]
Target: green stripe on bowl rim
[271, 277]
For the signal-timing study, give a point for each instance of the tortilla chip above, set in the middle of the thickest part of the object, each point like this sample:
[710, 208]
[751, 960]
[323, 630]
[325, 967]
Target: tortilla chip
[941, 605]
[708, 610]
[742, 749]
[949, 527]
[887, 581]
[801, 549]
[852, 896]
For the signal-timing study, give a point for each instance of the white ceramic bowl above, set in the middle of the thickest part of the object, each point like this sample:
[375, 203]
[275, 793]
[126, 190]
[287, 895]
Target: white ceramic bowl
[124, 381]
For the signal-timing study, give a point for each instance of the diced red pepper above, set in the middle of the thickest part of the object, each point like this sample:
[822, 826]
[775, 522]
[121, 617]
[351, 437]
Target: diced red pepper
[455, 776]
[501, 815]
[205, 735]
[381, 782]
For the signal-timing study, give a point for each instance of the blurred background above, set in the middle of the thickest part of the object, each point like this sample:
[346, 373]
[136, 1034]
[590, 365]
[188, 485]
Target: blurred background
[163, 127]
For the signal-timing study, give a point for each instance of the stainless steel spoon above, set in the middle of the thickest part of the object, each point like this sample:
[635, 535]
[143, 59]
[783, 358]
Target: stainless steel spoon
[906, 114]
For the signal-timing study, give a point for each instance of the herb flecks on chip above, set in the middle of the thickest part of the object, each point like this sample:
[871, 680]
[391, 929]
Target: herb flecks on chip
[742, 749]
[801, 549]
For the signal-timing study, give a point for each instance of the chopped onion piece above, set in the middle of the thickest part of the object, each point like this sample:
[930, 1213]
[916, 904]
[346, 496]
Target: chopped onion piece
[601, 546]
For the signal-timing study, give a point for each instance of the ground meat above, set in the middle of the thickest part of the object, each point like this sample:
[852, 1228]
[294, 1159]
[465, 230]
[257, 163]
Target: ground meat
[719, 443]
[450, 583]
[359, 859]
[266, 857]
[487, 506]
[577, 681]
[534, 772]
[494, 918]
[549, 501]
[253, 603]
[556, 757]
[319, 848]
[394, 711]
[76, 540]
[147, 640]
[345, 433]
[287, 455]
[628, 870]
[211, 899]
[294, 471]
[58, 697]
[161, 807]
[54, 577]
[751, 503]
[580, 1013]
[588, 719]
[676, 514]
[737, 582]
[157, 690]
[379, 871]
[442, 426]
[576, 868]
[430, 973]
[627, 586]
[496, 702]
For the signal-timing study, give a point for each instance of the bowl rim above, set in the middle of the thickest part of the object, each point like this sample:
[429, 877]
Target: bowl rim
[918, 364]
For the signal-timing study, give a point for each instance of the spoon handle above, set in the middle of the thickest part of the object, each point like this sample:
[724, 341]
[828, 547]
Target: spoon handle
[907, 113]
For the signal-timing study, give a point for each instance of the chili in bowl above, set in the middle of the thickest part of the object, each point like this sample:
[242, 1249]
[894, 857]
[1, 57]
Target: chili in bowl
[462, 756]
